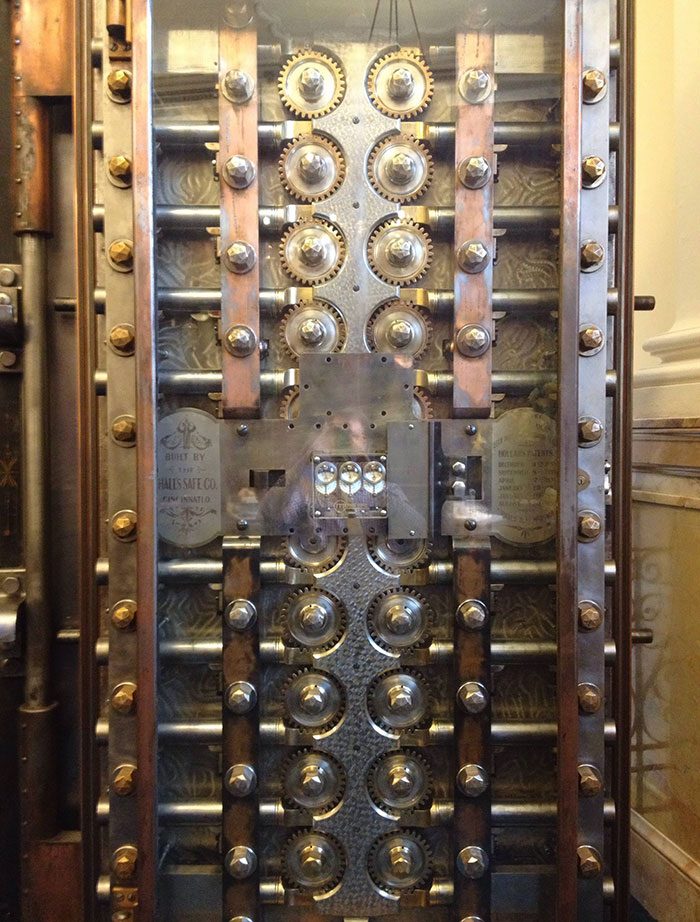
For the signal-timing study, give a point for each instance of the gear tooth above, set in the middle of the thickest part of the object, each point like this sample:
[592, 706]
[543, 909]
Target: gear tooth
[420, 680]
[338, 159]
[341, 627]
[335, 554]
[427, 245]
[291, 882]
[297, 107]
[427, 794]
[396, 568]
[406, 307]
[334, 720]
[405, 834]
[421, 641]
[397, 139]
[298, 276]
[298, 755]
[341, 328]
[424, 401]
[384, 106]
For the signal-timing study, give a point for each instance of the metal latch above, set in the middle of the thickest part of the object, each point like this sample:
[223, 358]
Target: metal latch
[12, 598]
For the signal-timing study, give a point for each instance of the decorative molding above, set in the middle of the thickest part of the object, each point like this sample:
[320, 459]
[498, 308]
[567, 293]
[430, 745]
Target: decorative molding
[665, 879]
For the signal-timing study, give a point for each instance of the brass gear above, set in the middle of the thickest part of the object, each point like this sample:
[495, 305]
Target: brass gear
[311, 84]
[321, 794]
[324, 174]
[324, 321]
[400, 862]
[413, 709]
[410, 326]
[394, 555]
[289, 405]
[412, 618]
[312, 251]
[422, 405]
[400, 84]
[319, 630]
[316, 553]
[400, 168]
[400, 251]
[313, 861]
[413, 796]
[314, 701]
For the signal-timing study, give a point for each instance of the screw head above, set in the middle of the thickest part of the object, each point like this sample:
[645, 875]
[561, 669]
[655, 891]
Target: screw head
[240, 861]
[119, 168]
[239, 172]
[311, 83]
[400, 251]
[240, 257]
[8, 277]
[590, 616]
[7, 358]
[400, 334]
[313, 618]
[473, 697]
[121, 254]
[401, 780]
[401, 860]
[473, 340]
[399, 699]
[590, 430]
[472, 614]
[240, 340]
[11, 585]
[475, 85]
[311, 332]
[589, 698]
[240, 780]
[312, 167]
[590, 783]
[589, 861]
[592, 172]
[472, 779]
[400, 619]
[589, 525]
[312, 779]
[238, 86]
[124, 430]
[473, 862]
[124, 614]
[124, 524]
[312, 698]
[400, 84]
[473, 256]
[241, 697]
[594, 85]
[474, 172]
[592, 256]
[591, 339]
[124, 862]
[121, 338]
[119, 84]
[401, 168]
[240, 614]
[123, 698]
[123, 780]
[312, 250]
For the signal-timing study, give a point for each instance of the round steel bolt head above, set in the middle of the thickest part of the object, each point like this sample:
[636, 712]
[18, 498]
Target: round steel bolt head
[473, 862]
[119, 169]
[590, 339]
[238, 86]
[401, 83]
[11, 585]
[592, 172]
[124, 862]
[119, 85]
[123, 698]
[472, 614]
[240, 614]
[123, 780]
[124, 430]
[124, 525]
[590, 616]
[239, 172]
[124, 614]
[589, 698]
[241, 697]
[8, 277]
[240, 780]
[240, 257]
[312, 250]
[472, 779]
[590, 863]
[592, 256]
[473, 256]
[311, 332]
[474, 172]
[589, 526]
[240, 340]
[473, 340]
[401, 168]
[473, 697]
[400, 699]
[238, 14]
[313, 167]
[240, 861]
[121, 338]
[590, 430]
[120, 254]
[311, 83]
[240, 919]
[590, 783]
[7, 358]
[475, 85]
[595, 85]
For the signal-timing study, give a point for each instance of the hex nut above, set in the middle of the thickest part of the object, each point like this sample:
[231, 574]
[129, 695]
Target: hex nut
[120, 254]
[592, 256]
[240, 780]
[589, 526]
[474, 172]
[473, 340]
[119, 85]
[121, 338]
[124, 525]
[238, 87]
[472, 614]
[124, 861]
[240, 861]
[240, 257]
[592, 172]
[473, 256]
[590, 616]
[11, 585]
[590, 784]
[589, 698]
[591, 339]
[241, 697]
[472, 779]
[240, 614]
[590, 863]
[238, 171]
[595, 85]
[473, 697]
[124, 430]
[123, 780]
[473, 862]
[240, 340]
[119, 169]
[123, 698]
[590, 430]
[124, 614]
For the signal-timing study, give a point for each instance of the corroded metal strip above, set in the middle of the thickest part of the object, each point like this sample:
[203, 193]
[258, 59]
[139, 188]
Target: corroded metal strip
[473, 221]
[238, 135]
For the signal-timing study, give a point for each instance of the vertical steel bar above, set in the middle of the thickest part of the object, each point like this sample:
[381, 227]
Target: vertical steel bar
[146, 404]
[567, 700]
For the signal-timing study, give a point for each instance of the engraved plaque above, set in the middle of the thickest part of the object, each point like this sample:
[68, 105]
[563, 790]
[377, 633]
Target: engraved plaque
[524, 476]
[189, 478]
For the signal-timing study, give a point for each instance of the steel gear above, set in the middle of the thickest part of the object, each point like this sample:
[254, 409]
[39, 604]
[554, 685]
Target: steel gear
[312, 251]
[400, 84]
[315, 552]
[314, 700]
[399, 700]
[422, 405]
[400, 168]
[399, 620]
[400, 862]
[400, 327]
[393, 555]
[400, 251]
[313, 861]
[399, 781]
[313, 618]
[311, 84]
[313, 780]
[312, 326]
[311, 168]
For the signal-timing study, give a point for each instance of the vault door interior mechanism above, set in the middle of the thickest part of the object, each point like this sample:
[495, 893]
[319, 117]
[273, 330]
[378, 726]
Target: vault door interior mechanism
[375, 310]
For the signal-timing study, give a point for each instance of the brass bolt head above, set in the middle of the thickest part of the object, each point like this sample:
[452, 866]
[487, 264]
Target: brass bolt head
[594, 85]
[313, 860]
[240, 780]
[124, 429]
[473, 780]
[119, 168]
[473, 340]
[240, 614]
[241, 697]
[238, 86]
[121, 338]
[124, 614]
[124, 862]
[119, 84]
[589, 525]
[240, 340]
[590, 430]
[589, 861]
[590, 616]
[590, 784]
[472, 614]
[240, 861]
[121, 253]
[401, 860]
[473, 256]
[473, 697]
[475, 85]
[124, 780]
[474, 172]
[592, 255]
[592, 172]
[473, 862]
[311, 83]
[401, 780]
[312, 779]
[123, 698]
[591, 338]
[589, 698]
[400, 84]
[239, 172]
[124, 524]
